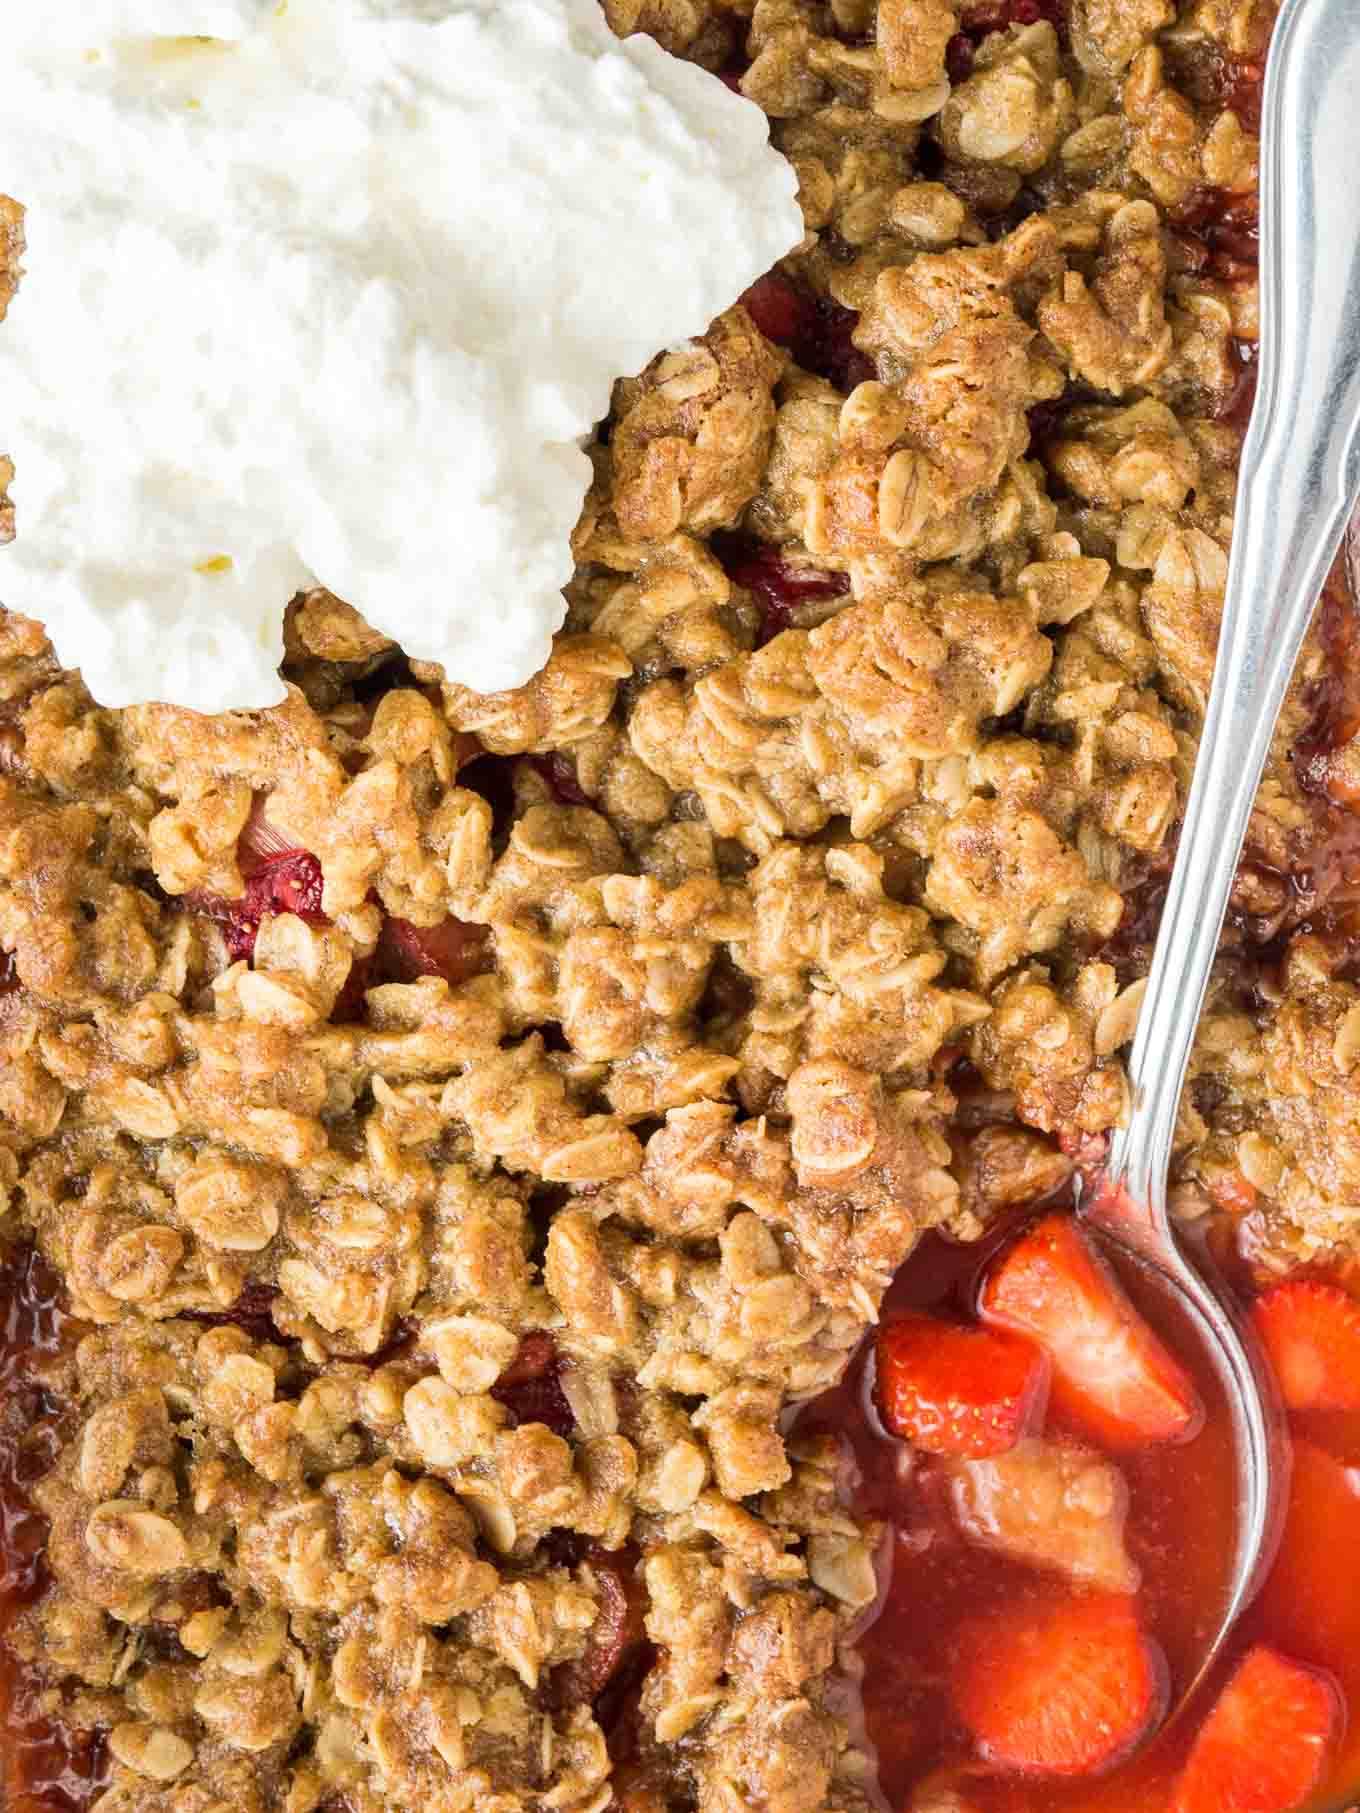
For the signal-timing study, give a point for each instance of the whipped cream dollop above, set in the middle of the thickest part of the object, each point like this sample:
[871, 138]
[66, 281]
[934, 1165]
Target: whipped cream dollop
[332, 297]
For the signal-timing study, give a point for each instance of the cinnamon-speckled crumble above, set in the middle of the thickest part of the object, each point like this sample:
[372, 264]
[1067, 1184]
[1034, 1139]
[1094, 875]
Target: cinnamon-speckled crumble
[462, 1124]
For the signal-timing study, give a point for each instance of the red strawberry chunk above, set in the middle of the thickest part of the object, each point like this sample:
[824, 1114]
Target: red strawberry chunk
[1264, 1746]
[1112, 1376]
[969, 1392]
[287, 883]
[996, 15]
[1310, 1331]
[280, 877]
[453, 949]
[1058, 1686]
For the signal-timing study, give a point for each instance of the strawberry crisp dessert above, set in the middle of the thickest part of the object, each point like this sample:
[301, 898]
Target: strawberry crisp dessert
[539, 1271]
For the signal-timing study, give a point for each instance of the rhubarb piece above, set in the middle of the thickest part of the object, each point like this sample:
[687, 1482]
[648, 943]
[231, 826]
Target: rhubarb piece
[955, 1390]
[1264, 1746]
[1111, 1374]
[1051, 1505]
[1059, 1686]
[1310, 1331]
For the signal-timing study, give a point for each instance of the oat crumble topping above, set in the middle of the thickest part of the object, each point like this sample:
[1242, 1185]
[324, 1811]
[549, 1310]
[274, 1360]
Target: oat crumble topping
[461, 1125]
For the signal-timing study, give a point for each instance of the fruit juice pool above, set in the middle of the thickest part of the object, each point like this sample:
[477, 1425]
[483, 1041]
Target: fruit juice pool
[1179, 1533]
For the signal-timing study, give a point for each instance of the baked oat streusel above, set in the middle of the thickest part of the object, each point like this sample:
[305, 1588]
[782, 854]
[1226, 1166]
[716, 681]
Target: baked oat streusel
[462, 1124]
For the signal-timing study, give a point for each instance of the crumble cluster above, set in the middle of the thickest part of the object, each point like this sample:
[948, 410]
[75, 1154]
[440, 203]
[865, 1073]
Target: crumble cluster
[464, 1123]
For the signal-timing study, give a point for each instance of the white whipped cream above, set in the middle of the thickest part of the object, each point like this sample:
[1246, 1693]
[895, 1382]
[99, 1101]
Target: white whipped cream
[336, 303]
[89, 23]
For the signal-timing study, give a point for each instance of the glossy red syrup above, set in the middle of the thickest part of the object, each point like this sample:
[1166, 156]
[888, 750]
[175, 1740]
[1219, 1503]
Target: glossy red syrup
[1179, 1532]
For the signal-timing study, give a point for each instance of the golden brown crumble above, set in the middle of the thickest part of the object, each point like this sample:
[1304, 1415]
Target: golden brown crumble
[462, 1124]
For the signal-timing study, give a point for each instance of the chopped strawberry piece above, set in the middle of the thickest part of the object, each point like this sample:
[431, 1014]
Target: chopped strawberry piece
[1311, 1600]
[280, 877]
[949, 1389]
[1111, 1374]
[1310, 1331]
[453, 949]
[1233, 1193]
[531, 1385]
[287, 883]
[1263, 1747]
[1058, 1686]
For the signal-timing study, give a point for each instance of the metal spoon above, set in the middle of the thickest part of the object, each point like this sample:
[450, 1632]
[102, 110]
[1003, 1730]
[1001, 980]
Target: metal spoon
[1299, 480]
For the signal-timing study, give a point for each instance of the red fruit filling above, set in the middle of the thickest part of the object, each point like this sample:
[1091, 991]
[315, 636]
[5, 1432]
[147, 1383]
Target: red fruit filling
[978, 22]
[1058, 1685]
[816, 331]
[1310, 1331]
[617, 1634]
[291, 883]
[44, 1763]
[777, 587]
[1111, 1374]
[951, 1389]
[1265, 1745]
[452, 949]
[1219, 234]
[558, 772]
[280, 877]
[531, 1385]
[252, 1311]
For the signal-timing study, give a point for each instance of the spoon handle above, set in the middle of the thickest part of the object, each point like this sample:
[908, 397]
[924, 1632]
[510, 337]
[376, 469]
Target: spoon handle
[1300, 475]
